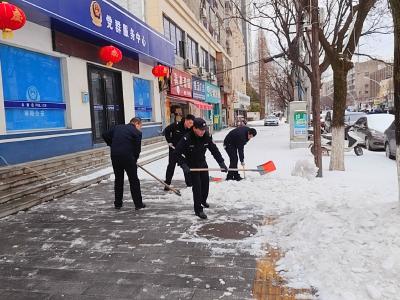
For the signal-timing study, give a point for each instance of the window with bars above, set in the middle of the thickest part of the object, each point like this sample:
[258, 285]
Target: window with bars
[175, 34]
[213, 65]
[204, 62]
[192, 51]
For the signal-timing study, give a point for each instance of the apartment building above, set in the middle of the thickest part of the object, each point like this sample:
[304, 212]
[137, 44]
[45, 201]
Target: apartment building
[205, 51]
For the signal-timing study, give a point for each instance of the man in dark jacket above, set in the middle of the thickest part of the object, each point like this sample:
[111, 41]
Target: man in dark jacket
[191, 153]
[234, 143]
[173, 134]
[125, 142]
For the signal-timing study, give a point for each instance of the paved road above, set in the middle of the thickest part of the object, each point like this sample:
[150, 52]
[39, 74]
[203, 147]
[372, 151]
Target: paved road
[79, 247]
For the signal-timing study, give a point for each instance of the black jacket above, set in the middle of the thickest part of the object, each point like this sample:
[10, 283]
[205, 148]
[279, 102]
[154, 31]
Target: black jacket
[194, 149]
[175, 131]
[124, 140]
[237, 138]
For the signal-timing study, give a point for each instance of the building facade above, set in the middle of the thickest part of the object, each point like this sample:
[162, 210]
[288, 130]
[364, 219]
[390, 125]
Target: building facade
[56, 94]
[206, 47]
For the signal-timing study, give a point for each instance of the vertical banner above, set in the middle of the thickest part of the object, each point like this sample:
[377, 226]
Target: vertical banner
[143, 99]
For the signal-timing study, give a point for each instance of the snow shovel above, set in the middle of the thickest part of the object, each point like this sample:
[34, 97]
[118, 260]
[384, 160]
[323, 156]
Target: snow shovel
[262, 169]
[176, 191]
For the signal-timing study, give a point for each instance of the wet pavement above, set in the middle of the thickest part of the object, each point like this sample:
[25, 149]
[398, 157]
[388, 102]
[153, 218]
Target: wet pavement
[80, 247]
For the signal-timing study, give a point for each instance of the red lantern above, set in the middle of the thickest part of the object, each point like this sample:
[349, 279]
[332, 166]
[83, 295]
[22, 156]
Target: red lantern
[160, 71]
[110, 55]
[11, 18]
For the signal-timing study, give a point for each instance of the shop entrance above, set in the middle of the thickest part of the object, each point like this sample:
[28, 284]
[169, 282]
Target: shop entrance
[106, 101]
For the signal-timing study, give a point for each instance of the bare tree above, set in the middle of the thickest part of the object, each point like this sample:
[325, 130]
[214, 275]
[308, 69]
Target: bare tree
[339, 33]
[339, 44]
[395, 6]
[281, 84]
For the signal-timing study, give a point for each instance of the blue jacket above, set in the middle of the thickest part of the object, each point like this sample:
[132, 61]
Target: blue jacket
[124, 140]
[237, 138]
[191, 150]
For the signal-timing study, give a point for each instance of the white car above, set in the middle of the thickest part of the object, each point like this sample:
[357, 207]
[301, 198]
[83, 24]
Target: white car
[271, 121]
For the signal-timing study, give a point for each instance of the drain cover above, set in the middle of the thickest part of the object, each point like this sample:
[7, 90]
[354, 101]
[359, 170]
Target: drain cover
[228, 230]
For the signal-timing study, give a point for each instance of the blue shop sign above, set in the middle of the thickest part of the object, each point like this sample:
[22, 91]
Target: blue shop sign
[199, 89]
[34, 105]
[213, 93]
[105, 19]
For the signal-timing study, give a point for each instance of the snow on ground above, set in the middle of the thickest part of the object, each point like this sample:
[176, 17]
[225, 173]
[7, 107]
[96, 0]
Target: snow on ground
[339, 233]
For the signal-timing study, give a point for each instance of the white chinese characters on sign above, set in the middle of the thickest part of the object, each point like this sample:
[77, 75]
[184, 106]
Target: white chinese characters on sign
[125, 30]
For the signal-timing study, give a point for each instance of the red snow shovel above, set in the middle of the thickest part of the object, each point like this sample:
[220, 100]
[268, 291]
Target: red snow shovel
[262, 169]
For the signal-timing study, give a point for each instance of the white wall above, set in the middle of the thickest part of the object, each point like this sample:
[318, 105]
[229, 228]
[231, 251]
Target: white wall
[136, 7]
[76, 82]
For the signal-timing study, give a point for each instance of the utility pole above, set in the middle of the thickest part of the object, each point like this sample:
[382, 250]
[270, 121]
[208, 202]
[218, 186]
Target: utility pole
[316, 85]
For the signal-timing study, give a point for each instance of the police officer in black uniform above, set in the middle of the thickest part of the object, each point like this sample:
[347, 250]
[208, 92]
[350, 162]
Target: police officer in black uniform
[190, 153]
[234, 143]
[125, 142]
[173, 134]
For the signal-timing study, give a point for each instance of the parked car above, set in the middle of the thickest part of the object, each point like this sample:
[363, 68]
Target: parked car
[390, 141]
[271, 121]
[371, 128]
[349, 119]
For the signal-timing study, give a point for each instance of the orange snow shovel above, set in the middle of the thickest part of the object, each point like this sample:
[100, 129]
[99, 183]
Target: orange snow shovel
[262, 169]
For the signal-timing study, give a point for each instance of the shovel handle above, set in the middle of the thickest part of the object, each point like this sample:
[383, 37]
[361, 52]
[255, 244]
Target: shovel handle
[177, 192]
[218, 169]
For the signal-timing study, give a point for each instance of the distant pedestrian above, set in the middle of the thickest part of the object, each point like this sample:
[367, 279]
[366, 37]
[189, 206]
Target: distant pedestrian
[190, 153]
[234, 144]
[173, 134]
[125, 142]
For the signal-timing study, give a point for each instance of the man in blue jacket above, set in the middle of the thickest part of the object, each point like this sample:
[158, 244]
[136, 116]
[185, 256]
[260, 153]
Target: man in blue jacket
[191, 153]
[125, 142]
[234, 144]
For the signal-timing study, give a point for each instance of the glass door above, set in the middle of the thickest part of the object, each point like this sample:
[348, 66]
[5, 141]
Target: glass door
[106, 101]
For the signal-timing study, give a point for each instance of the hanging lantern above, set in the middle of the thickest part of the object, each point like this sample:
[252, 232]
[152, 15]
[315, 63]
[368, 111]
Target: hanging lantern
[11, 18]
[160, 71]
[110, 55]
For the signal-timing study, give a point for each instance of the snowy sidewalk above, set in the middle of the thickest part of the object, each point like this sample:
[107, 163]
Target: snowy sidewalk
[338, 235]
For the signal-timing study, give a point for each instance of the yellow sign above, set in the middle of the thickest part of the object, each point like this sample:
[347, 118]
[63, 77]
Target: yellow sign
[377, 102]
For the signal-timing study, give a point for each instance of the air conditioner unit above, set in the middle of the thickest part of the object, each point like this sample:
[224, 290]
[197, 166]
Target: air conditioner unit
[203, 12]
[188, 63]
[201, 71]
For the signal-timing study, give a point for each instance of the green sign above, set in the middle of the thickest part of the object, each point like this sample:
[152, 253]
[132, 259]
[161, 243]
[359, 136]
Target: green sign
[213, 93]
[300, 123]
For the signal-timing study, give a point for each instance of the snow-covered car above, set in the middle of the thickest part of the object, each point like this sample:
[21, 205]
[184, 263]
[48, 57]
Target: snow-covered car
[390, 141]
[271, 121]
[371, 128]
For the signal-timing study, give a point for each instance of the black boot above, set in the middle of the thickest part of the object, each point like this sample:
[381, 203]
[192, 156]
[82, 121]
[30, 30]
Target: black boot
[201, 215]
[205, 205]
[238, 177]
[140, 207]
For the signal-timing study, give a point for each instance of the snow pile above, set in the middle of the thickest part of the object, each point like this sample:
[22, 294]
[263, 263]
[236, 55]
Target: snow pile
[306, 169]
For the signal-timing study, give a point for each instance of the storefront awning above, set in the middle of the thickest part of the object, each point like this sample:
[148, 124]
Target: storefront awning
[198, 104]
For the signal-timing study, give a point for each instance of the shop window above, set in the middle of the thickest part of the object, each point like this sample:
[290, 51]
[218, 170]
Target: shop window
[143, 99]
[32, 88]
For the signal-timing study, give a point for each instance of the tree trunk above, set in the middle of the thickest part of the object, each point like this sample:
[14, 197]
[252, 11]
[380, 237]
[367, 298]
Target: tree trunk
[315, 88]
[395, 6]
[340, 71]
